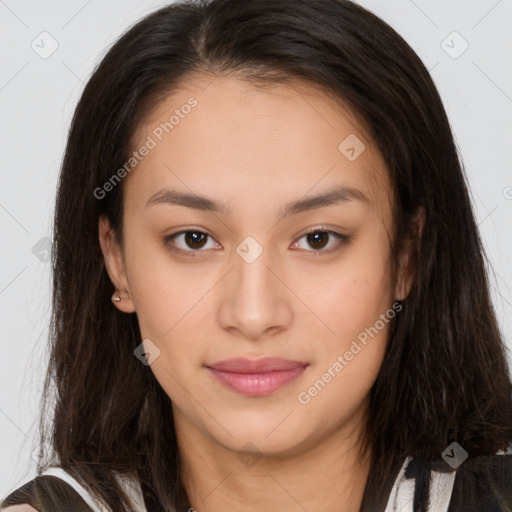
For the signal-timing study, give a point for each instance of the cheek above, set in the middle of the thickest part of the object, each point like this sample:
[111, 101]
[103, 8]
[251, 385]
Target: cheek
[356, 293]
[169, 313]
[359, 323]
[163, 293]
[171, 306]
[357, 309]
[348, 359]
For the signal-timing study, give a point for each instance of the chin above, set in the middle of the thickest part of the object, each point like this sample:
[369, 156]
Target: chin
[263, 434]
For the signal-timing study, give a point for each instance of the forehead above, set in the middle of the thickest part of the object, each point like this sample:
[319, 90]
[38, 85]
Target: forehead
[232, 137]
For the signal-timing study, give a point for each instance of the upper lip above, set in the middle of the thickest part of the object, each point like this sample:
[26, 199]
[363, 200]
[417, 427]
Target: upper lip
[263, 365]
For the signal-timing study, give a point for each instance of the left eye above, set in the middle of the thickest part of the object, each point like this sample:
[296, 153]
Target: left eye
[318, 239]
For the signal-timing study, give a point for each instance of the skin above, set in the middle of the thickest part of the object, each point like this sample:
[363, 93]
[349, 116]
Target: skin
[255, 150]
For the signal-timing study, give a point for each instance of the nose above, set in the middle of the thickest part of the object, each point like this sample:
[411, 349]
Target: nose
[255, 301]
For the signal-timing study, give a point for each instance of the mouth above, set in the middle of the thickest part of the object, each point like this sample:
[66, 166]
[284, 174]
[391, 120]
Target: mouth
[259, 377]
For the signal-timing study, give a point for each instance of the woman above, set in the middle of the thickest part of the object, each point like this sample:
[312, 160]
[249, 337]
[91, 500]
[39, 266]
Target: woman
[269, 286]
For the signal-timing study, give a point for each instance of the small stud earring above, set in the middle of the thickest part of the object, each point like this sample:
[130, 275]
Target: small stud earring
[116, 298]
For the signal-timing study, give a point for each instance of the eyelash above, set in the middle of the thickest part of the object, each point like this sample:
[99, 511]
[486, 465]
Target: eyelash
[342, 240]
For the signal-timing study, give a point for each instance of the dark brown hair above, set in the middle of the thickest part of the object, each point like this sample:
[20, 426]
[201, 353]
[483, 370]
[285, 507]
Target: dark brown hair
[444, 377]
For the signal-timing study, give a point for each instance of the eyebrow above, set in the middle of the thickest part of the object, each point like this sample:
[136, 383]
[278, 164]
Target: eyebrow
[328, 198]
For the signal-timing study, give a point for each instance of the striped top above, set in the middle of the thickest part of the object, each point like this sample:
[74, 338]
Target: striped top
[480, 483]
[400, 498]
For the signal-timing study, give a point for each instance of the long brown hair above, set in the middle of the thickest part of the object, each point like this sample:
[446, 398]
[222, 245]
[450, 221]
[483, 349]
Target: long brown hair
[444, 377]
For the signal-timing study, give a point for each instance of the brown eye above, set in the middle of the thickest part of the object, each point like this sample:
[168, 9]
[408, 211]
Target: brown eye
[188, 241]
[195, 239]
[320, 238]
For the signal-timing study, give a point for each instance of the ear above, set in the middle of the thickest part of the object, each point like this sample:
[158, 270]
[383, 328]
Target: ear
[406, 272]
[114, 264]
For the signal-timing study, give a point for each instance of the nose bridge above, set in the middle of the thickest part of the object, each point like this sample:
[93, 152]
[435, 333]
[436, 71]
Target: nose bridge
[252, 274]
[255, 299]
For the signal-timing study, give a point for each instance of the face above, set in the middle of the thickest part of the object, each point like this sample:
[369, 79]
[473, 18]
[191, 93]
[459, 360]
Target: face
[257, 268]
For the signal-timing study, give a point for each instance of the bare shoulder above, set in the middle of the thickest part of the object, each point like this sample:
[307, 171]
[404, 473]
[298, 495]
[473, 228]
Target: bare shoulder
[25, 507]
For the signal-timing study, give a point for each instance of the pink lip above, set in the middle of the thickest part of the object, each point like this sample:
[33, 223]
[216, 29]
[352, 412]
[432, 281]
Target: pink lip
[256, 377]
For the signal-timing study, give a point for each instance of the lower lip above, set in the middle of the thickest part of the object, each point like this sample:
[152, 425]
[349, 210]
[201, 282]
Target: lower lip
[257, 384]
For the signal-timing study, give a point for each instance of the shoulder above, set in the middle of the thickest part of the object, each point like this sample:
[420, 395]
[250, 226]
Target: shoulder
[476, 484]
[44, 493]
[487, 469]
[57, 489]
[485, 481]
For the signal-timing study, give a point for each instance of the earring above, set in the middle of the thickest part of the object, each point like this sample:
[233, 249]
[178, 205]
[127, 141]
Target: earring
[117, 298]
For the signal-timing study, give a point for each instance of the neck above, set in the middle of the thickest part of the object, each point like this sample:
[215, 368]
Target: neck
[327, 477]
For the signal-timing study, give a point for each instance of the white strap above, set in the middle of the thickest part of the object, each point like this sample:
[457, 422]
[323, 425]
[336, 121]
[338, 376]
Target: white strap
[131, 488]
[401, 497]
[441, 487]
[63, 475]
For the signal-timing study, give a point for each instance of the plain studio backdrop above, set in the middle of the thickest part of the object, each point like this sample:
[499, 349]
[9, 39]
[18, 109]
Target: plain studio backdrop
[48, 50]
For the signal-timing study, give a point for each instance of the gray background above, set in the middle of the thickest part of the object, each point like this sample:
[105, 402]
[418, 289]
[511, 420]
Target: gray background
[37, 98]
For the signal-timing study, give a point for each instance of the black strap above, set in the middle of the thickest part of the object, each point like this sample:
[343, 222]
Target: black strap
[47, 493]
[482, 483]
